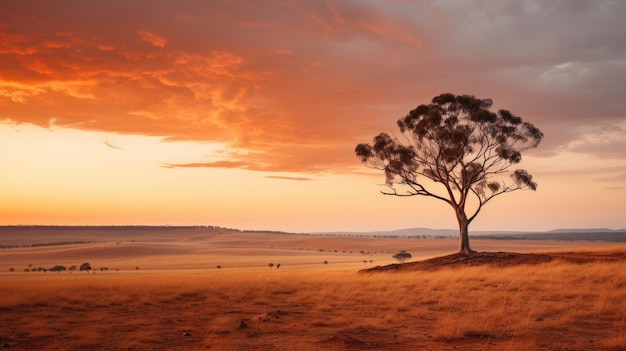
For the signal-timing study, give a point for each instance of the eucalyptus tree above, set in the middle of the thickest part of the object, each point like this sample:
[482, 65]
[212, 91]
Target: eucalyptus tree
[456, 150]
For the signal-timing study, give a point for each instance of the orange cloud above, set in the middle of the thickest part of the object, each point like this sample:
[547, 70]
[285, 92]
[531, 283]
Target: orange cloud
[253, 94]
[216, 164]
[299, 179]
[152, 38]
[293, 84]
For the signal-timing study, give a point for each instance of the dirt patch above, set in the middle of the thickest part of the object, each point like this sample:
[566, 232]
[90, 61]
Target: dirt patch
[498, 259]
[349, 341]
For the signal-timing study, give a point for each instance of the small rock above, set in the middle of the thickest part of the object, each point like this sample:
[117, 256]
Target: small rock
[5, 345]
[186, 334]
[243, 325]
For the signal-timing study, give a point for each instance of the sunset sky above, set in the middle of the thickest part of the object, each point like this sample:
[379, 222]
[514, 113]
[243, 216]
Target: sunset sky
[245, 114]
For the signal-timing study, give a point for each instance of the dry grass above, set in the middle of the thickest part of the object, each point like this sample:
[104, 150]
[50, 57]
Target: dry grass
[551, 306]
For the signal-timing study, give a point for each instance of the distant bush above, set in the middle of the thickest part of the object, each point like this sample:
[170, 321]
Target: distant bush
[402, 256]
[58, 268]
[85, 267]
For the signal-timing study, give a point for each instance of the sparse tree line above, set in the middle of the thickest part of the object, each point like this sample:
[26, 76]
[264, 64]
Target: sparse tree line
[382, 236]
[57, 243]
[278, 265]
[417, 236]
[362, 252]
[401, 256]
[61, 268]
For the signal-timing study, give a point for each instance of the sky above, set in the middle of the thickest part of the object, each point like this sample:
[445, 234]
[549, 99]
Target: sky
[245, 114]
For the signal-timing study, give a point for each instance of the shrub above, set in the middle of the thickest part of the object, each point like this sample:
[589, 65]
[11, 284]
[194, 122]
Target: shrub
[58, 268]
[402, 256]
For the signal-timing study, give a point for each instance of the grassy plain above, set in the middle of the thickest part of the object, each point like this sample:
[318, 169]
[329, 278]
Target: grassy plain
[179, 300]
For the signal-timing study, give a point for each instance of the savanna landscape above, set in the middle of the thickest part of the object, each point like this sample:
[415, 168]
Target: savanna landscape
[163, 290]
[319, 129]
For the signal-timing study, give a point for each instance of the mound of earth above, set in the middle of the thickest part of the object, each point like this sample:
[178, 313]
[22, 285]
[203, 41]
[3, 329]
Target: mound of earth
[499, 259]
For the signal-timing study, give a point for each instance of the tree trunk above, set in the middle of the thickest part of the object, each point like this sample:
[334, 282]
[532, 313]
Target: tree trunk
[464, 235]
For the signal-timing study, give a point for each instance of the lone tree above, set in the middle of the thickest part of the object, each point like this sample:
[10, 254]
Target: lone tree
[402, 256]
[455, 150]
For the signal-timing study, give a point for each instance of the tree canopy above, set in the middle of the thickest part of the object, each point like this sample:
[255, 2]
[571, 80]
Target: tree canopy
[456, 150]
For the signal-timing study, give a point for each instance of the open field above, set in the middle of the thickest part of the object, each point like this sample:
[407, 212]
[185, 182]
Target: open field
[179, 300]
[204, 248]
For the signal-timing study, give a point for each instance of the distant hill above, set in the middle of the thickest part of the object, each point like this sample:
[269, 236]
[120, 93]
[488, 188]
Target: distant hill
[399, 232]
[564, 235]
[413, 232]
[41, 235]
[28, 236]
[585, 230]
[588, 234]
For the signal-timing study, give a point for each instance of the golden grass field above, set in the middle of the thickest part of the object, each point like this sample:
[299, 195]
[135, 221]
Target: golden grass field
[179, 300]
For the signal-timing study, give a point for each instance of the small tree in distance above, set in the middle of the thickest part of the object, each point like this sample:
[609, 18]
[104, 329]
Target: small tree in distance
[85, 267]
[58, 268]
[402, 256]
[455, 150]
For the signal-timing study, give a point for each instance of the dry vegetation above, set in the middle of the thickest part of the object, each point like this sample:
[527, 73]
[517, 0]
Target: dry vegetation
[556, 305]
